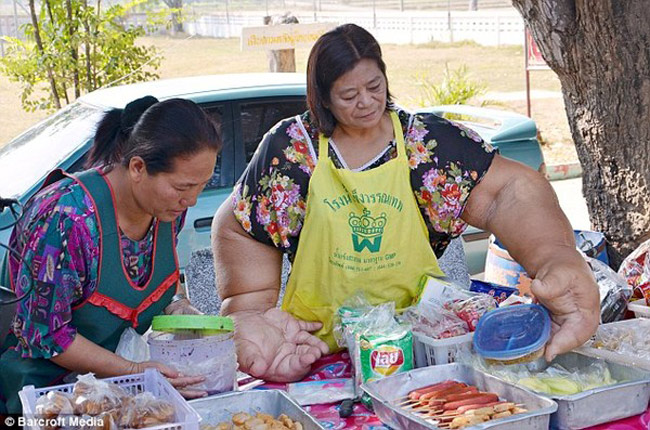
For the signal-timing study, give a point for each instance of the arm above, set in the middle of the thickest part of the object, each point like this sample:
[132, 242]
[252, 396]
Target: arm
[83, 356]
[519, 206]
[248, 271]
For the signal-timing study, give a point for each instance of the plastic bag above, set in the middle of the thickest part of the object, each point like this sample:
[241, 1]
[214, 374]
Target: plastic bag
[132, 346]
[52, 405]
[144, 410]
[472, 309]
[379, 345]
[635, 269]
[614, 291]
[435, 323]
[555, 380]
[630, 340]
[91, 396]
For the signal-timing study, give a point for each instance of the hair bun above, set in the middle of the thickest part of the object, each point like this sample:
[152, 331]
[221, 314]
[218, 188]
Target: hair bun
[134, 110]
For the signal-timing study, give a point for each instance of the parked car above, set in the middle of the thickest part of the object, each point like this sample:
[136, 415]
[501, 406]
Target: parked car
[245, 106]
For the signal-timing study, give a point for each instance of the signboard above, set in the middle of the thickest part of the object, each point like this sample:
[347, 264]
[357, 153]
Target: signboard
[534, 60]
[282, 36]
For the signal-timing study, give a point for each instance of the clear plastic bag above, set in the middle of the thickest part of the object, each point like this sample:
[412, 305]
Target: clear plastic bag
[436, 323]
[144, 410]
[554, 380]
[635, 269]
[132, 346]
[614, 291]
[52, 405]
[91, 396]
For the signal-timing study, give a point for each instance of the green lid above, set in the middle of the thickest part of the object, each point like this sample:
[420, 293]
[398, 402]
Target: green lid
[192, 322]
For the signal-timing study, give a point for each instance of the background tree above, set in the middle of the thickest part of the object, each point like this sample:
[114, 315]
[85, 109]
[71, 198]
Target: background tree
[71, 48]
[176, 8]
[600, 52]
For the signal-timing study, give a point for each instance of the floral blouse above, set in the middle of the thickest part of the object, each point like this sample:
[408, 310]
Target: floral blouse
[58, 237]
[447, 161]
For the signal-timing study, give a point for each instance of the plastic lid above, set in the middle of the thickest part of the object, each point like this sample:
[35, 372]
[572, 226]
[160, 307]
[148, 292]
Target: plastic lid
[192, 322]
[512, 332]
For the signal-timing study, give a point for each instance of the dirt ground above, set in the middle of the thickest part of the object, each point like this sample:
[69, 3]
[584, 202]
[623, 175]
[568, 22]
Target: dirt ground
[500, 69]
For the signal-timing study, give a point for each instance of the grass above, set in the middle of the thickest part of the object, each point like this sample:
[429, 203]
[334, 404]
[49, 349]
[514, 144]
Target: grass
[501, 69]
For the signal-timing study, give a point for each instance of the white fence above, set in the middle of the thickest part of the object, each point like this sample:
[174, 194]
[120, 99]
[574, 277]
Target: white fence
[491, 28]
[485, 28]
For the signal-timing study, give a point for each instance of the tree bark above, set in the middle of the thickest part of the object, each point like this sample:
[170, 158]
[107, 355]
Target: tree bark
[39, 46]
[599, 50]
[176, 17]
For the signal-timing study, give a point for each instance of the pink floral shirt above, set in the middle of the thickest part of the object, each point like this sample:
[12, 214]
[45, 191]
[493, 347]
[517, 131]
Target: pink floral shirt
[447, 161]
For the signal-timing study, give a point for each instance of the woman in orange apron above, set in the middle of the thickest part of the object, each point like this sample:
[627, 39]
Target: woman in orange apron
[98, 248]
[364, 196]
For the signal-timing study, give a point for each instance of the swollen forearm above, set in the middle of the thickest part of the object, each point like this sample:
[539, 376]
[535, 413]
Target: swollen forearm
[84, 356]
[542, 234]
[248, 272]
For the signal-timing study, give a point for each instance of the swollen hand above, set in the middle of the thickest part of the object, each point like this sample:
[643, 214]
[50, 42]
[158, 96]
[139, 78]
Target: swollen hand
[274, 346]
[180, 382]
[568, 289]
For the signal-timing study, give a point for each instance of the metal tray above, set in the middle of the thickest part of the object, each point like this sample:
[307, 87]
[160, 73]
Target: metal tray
[220, 408]
[604, 404]
[384, 392]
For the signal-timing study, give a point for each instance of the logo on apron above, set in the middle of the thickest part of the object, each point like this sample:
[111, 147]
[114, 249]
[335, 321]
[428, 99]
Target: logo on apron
[367, 231]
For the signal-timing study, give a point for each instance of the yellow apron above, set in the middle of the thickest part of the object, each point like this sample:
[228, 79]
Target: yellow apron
[362, 231]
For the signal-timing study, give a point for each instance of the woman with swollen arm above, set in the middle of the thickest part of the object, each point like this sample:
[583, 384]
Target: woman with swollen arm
[365, 196]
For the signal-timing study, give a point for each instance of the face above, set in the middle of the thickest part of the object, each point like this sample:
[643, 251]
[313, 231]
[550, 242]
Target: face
[167, 195]
[358, 98]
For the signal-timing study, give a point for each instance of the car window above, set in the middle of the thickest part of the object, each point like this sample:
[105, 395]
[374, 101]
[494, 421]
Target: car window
[259, 116]
[216, 114]
[43, 147]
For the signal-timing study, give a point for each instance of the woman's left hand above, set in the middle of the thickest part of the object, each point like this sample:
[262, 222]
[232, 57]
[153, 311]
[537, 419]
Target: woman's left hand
[566, 286]
[181, 382]
[182, 307]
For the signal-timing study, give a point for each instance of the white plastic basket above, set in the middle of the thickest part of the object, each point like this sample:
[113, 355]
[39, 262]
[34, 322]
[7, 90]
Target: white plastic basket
[429, 351]
[640, 309]
[151, 380]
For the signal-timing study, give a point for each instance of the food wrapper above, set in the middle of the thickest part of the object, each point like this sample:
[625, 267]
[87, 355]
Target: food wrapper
[635, 269]
[379, 345]
[499, 292]
[472, 309]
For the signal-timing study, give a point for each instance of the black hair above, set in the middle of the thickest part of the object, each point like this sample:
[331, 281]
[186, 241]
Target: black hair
[335, 53]
[158, 132]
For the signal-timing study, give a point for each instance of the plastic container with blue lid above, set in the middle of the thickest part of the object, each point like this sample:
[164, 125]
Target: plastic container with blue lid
[513, 334]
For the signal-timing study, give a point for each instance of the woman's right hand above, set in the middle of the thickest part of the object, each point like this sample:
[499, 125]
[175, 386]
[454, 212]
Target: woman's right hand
[274, 346]
[180, 382]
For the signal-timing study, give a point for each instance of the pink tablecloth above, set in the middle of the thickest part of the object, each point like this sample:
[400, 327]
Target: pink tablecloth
[639, 422]
[339, 366]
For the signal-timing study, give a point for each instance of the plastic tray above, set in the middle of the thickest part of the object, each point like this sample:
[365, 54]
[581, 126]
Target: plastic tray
[428, 351]
[639, 308]
[217, 409]
[151, 380]
[386, 392]
[638, 324]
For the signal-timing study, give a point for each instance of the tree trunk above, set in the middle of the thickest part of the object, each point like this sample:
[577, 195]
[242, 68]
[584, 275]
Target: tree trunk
[39, 46]
[599, 50]
[282, 60]
[473, 4]
[72, 29]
